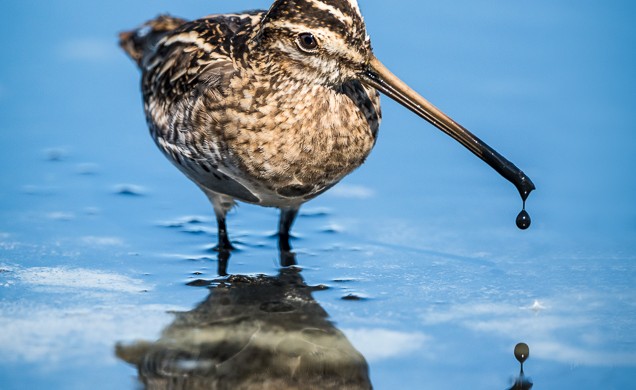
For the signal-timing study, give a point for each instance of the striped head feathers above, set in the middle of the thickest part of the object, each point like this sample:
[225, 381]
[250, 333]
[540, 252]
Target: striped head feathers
[324, 40]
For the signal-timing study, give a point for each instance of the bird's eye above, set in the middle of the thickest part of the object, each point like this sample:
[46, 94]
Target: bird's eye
[307, 42]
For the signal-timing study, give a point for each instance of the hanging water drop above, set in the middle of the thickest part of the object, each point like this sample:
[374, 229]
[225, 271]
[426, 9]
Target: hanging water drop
[523, 220]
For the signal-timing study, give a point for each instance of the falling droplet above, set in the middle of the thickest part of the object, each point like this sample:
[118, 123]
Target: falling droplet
[523, 218]
[522, 351]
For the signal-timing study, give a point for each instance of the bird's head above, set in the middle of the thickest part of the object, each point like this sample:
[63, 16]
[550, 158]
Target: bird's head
[324, 41]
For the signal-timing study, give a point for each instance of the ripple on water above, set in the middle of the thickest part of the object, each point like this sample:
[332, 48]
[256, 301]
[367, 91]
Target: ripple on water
[91, 210]
[185, 221]
[199, 283]
[55, 154]
[60, 216]
[198, 230]
[316, 212]
[354, 297]
[345, 280]
[194, 258]
[102, 241]
[87, 168]
[129, 190]
[332, 228]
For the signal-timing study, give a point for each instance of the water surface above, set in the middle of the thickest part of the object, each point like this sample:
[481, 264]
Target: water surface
[415, 258]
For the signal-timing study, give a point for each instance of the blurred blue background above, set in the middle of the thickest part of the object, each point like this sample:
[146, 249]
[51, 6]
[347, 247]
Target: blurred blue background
[424, 230]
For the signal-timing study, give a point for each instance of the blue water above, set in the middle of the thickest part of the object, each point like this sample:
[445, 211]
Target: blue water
[99, 235]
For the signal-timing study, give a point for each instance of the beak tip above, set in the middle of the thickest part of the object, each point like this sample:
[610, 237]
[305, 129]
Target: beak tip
[525, 187]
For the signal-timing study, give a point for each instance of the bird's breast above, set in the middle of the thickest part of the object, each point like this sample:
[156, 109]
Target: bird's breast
[298, 139]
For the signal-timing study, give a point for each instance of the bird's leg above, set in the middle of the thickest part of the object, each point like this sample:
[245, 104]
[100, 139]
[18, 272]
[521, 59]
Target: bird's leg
[224, 243]
[287, 217]
[222, 204]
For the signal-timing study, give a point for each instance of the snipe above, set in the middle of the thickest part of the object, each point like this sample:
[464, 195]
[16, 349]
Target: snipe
[274, 107]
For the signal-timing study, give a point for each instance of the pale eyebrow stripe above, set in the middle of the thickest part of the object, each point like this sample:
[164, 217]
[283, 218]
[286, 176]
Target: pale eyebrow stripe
[299, 27]
[333, 11]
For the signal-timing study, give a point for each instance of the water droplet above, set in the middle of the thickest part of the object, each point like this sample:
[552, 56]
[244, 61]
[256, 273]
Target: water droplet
[522, 352]
[523, 220]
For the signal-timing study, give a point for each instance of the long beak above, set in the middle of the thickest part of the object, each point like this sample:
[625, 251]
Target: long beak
[379, 77]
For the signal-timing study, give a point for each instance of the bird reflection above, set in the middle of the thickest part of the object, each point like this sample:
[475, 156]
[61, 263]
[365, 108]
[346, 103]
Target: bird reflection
[287, 259]
[263, 332]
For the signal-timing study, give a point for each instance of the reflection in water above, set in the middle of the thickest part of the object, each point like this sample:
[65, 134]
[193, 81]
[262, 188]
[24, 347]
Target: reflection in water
[522, 352]
[223, 258]
[287, 259]
[259, 332]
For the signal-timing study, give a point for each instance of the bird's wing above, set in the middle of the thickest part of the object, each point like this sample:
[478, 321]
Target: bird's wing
[186, 74]
[196, 55]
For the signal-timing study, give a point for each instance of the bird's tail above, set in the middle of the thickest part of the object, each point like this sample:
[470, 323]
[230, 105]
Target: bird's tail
[140, 41]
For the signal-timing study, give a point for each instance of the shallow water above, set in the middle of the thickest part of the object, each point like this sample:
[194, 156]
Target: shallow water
[415, 258]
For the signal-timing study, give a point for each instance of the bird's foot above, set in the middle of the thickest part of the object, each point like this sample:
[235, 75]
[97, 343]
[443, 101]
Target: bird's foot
[224, 244]
[224, 247]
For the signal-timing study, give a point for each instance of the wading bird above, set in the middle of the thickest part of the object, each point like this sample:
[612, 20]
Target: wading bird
[274, 107]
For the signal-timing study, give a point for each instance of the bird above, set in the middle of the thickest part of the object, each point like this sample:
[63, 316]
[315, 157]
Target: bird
[274, 107]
